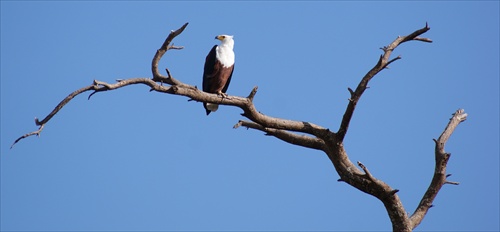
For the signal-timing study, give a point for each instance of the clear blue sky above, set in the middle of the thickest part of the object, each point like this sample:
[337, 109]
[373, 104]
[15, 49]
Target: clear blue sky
[131, 159]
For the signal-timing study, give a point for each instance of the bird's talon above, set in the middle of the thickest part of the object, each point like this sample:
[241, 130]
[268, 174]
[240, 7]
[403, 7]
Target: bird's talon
[222, 95]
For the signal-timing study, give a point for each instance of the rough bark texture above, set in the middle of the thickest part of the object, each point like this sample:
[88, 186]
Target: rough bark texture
[312, 135]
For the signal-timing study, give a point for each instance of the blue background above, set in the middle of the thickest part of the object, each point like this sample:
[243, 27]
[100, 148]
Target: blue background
[131, 159]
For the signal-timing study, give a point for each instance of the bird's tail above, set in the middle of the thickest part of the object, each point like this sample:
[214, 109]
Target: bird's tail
[210, 107]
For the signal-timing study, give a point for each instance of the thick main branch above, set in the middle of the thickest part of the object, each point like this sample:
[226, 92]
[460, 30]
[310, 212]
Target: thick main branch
[349, 173]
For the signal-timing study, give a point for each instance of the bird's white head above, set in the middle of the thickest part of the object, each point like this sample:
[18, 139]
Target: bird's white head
[224, 52]
[226, 40]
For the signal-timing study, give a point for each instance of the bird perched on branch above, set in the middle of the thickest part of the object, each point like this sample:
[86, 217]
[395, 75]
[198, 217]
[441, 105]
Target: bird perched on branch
[219, 66]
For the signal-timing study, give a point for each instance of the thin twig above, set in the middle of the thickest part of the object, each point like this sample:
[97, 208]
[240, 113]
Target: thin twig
[37, 133]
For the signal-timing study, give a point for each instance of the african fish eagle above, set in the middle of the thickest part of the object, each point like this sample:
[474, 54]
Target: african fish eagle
[219, 66]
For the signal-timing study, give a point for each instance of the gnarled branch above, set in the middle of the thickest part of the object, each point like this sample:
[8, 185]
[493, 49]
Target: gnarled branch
[159, 54]
[178, 88]
[382, 63]
[52, 114]
[315, 136]
[289, 137]
[439, 178]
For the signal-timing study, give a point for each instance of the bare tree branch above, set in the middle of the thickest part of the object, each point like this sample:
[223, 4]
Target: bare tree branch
[292, 138]
[315, 136]
[37, 133]
[439, 178]
[367, 183]
[381, 64]
[179, 88]
[159, 54]
[102, 86]
[51, 114]
[367, 173]
[347, 171]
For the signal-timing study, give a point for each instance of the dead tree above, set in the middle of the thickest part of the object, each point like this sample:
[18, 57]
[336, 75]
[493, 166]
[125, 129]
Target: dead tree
[303, 133]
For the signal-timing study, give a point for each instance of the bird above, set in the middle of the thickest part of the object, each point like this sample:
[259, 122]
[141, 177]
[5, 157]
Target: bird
[218, 70]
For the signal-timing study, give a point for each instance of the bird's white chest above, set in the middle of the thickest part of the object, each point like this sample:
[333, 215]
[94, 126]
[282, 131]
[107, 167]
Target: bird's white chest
[225, 55]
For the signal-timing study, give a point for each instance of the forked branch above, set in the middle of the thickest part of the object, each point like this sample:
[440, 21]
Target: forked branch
[44, 121]
[178, 88]
[99, 86]
[159, 54]
[300, 133]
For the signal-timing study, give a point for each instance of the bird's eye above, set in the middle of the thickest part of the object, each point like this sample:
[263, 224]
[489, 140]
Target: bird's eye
[223, 37]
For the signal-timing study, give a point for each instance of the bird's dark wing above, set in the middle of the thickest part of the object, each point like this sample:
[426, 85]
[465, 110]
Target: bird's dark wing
[210, 69]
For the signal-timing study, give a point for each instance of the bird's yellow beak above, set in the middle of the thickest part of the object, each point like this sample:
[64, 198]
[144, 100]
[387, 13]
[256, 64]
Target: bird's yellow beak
[220, 37]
